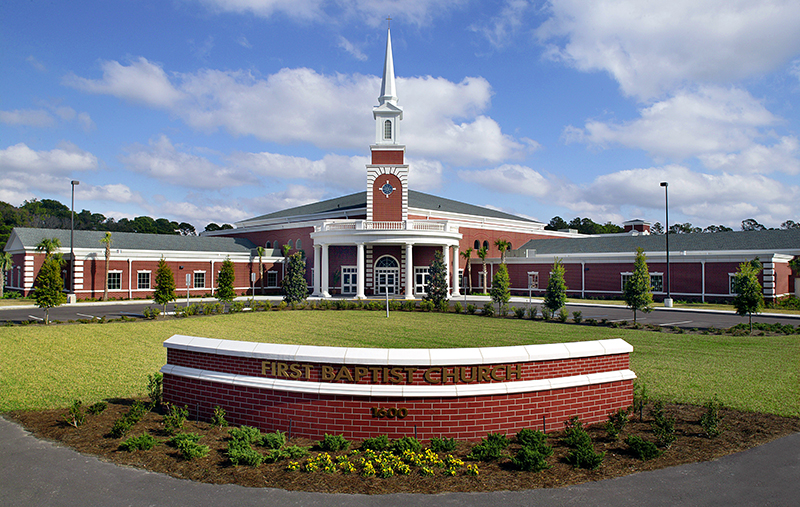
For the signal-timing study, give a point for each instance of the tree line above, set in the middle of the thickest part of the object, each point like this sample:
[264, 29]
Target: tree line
[588, 226]
[51, 214]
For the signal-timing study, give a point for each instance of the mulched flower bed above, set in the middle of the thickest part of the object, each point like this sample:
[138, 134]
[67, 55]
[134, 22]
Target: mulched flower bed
[742, 430]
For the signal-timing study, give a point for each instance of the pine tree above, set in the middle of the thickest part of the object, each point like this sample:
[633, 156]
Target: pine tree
[500, 289]
[49, 286]
[295, 286]
[436, 290]
[165, 285]
[637, 288]
[749, 297]
[225, 282]
[556, 295]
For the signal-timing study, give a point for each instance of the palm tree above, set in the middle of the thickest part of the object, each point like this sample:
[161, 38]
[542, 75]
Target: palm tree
[6, 261]
[48, 246]
[107, 242]
[482, 253]
[260, 252]
[467, 254]
[502, 245]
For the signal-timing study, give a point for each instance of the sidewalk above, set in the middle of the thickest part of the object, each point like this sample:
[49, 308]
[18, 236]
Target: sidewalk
[34, 472]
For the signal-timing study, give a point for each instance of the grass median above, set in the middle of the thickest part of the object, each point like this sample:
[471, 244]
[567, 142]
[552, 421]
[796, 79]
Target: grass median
[50, 366]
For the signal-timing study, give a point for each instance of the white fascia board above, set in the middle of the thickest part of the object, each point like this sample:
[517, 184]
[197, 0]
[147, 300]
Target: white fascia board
[294, 220]
[352, 236]
[86, 254]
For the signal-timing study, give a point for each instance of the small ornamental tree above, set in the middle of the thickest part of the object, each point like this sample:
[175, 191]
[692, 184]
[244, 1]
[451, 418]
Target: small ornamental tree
[637, 287]
[106, 241]
[49, 286]
[225, 281]
[6, 263]
[482, 253]
[556, 294]
[467, 255]
[437, 282]
[295, 287]
[500, 289]
[260, 252]
[749, 298]
[165, 285]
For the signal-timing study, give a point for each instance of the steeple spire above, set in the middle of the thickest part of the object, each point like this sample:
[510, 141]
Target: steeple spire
[388, 89]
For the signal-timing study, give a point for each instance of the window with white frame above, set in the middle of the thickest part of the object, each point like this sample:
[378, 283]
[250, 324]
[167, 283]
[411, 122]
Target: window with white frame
[349, 279]
[481, 278]
[387, 129]
[272, 279]
[461, 278]
[533, 279]
[421, 278]
[298, 244]
[114, 280]
[731, 278]
[143, 280]
[656, 281]
[199, 279]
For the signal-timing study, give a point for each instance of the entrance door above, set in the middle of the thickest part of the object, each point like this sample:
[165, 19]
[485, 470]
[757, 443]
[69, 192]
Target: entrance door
[349, 279]
[387, 275]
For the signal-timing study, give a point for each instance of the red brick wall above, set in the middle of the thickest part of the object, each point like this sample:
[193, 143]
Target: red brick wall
[380, 157]
[467, 417]
[387, 208]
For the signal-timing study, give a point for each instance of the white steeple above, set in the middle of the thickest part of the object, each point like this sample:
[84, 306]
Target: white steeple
[388, 89]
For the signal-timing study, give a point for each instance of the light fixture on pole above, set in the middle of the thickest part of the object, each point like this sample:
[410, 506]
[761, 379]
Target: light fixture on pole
[668, 299]
[71, 239]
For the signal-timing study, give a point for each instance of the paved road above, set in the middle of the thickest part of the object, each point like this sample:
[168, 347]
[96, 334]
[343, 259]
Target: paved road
[36, 473]
[668, 317]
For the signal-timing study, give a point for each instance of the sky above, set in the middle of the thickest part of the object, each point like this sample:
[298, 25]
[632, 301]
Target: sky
[217, 111]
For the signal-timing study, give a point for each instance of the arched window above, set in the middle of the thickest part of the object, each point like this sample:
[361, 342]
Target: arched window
[477, 245]
[290, 244]
[297, 245]
[486, 245]
[509, 247]
[387, 262]
[268, 245]
[387, 129]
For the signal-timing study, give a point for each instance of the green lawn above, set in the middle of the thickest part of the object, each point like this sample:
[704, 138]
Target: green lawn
[48, 367]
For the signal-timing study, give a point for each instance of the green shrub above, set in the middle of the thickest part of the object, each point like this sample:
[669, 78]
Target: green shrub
[192, 450]
[241, 453]
[563, 315]
[711, 421]
[403, 444]
[134, 414]
[410, 306]
[458, 308]
[643, 449]
[471, 309]
[333, 443]
[426, 306]
[296, 451]
[443, 444]
[218, 419]
[178, 439]
[273, 440]
[663, 426]
[236, 307]
[531, 438]
[533, 312]
[577, 317]
[120, 427]
[246, 434]
[488, 310]
[584, 456]
[75, 417]
[575, 434]
[151, 313]
[616, 423]
[490, 448]
[174, 419]
[141, 443]
[640, 398]
[378, 443]
[155, 388]
[518, 312]
[532, 459]
[547, 313]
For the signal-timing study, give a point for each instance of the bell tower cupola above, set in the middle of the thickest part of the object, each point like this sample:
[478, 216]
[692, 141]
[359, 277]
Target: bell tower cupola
[387, 174]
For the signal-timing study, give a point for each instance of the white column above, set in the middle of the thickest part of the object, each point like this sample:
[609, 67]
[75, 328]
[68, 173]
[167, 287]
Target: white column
[317, 269]
[324, 274]
[361, 267]
[446, 252]
[456, 286]
[409, 271]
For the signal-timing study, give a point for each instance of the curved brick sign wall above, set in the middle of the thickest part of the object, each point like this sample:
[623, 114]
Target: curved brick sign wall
[361, 393]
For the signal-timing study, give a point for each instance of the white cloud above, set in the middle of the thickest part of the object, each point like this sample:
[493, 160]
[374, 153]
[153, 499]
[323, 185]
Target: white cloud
[514, 179]
[36, 64]
[65, 159]
[444, 119]
[650, 47]
[200, 214]
[300, 9]
[162, 161]
[27, 118]
[142, 82]
[349, 47]
[113, 192]
[424, 174]
[500, 29]
[291, 196]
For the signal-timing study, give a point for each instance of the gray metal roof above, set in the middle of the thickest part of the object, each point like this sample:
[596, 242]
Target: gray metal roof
[699, 242]
[133, 241]
[416, 199]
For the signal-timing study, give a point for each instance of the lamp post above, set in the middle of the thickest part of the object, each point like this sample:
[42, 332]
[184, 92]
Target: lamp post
[668, 299]
[71, 237]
